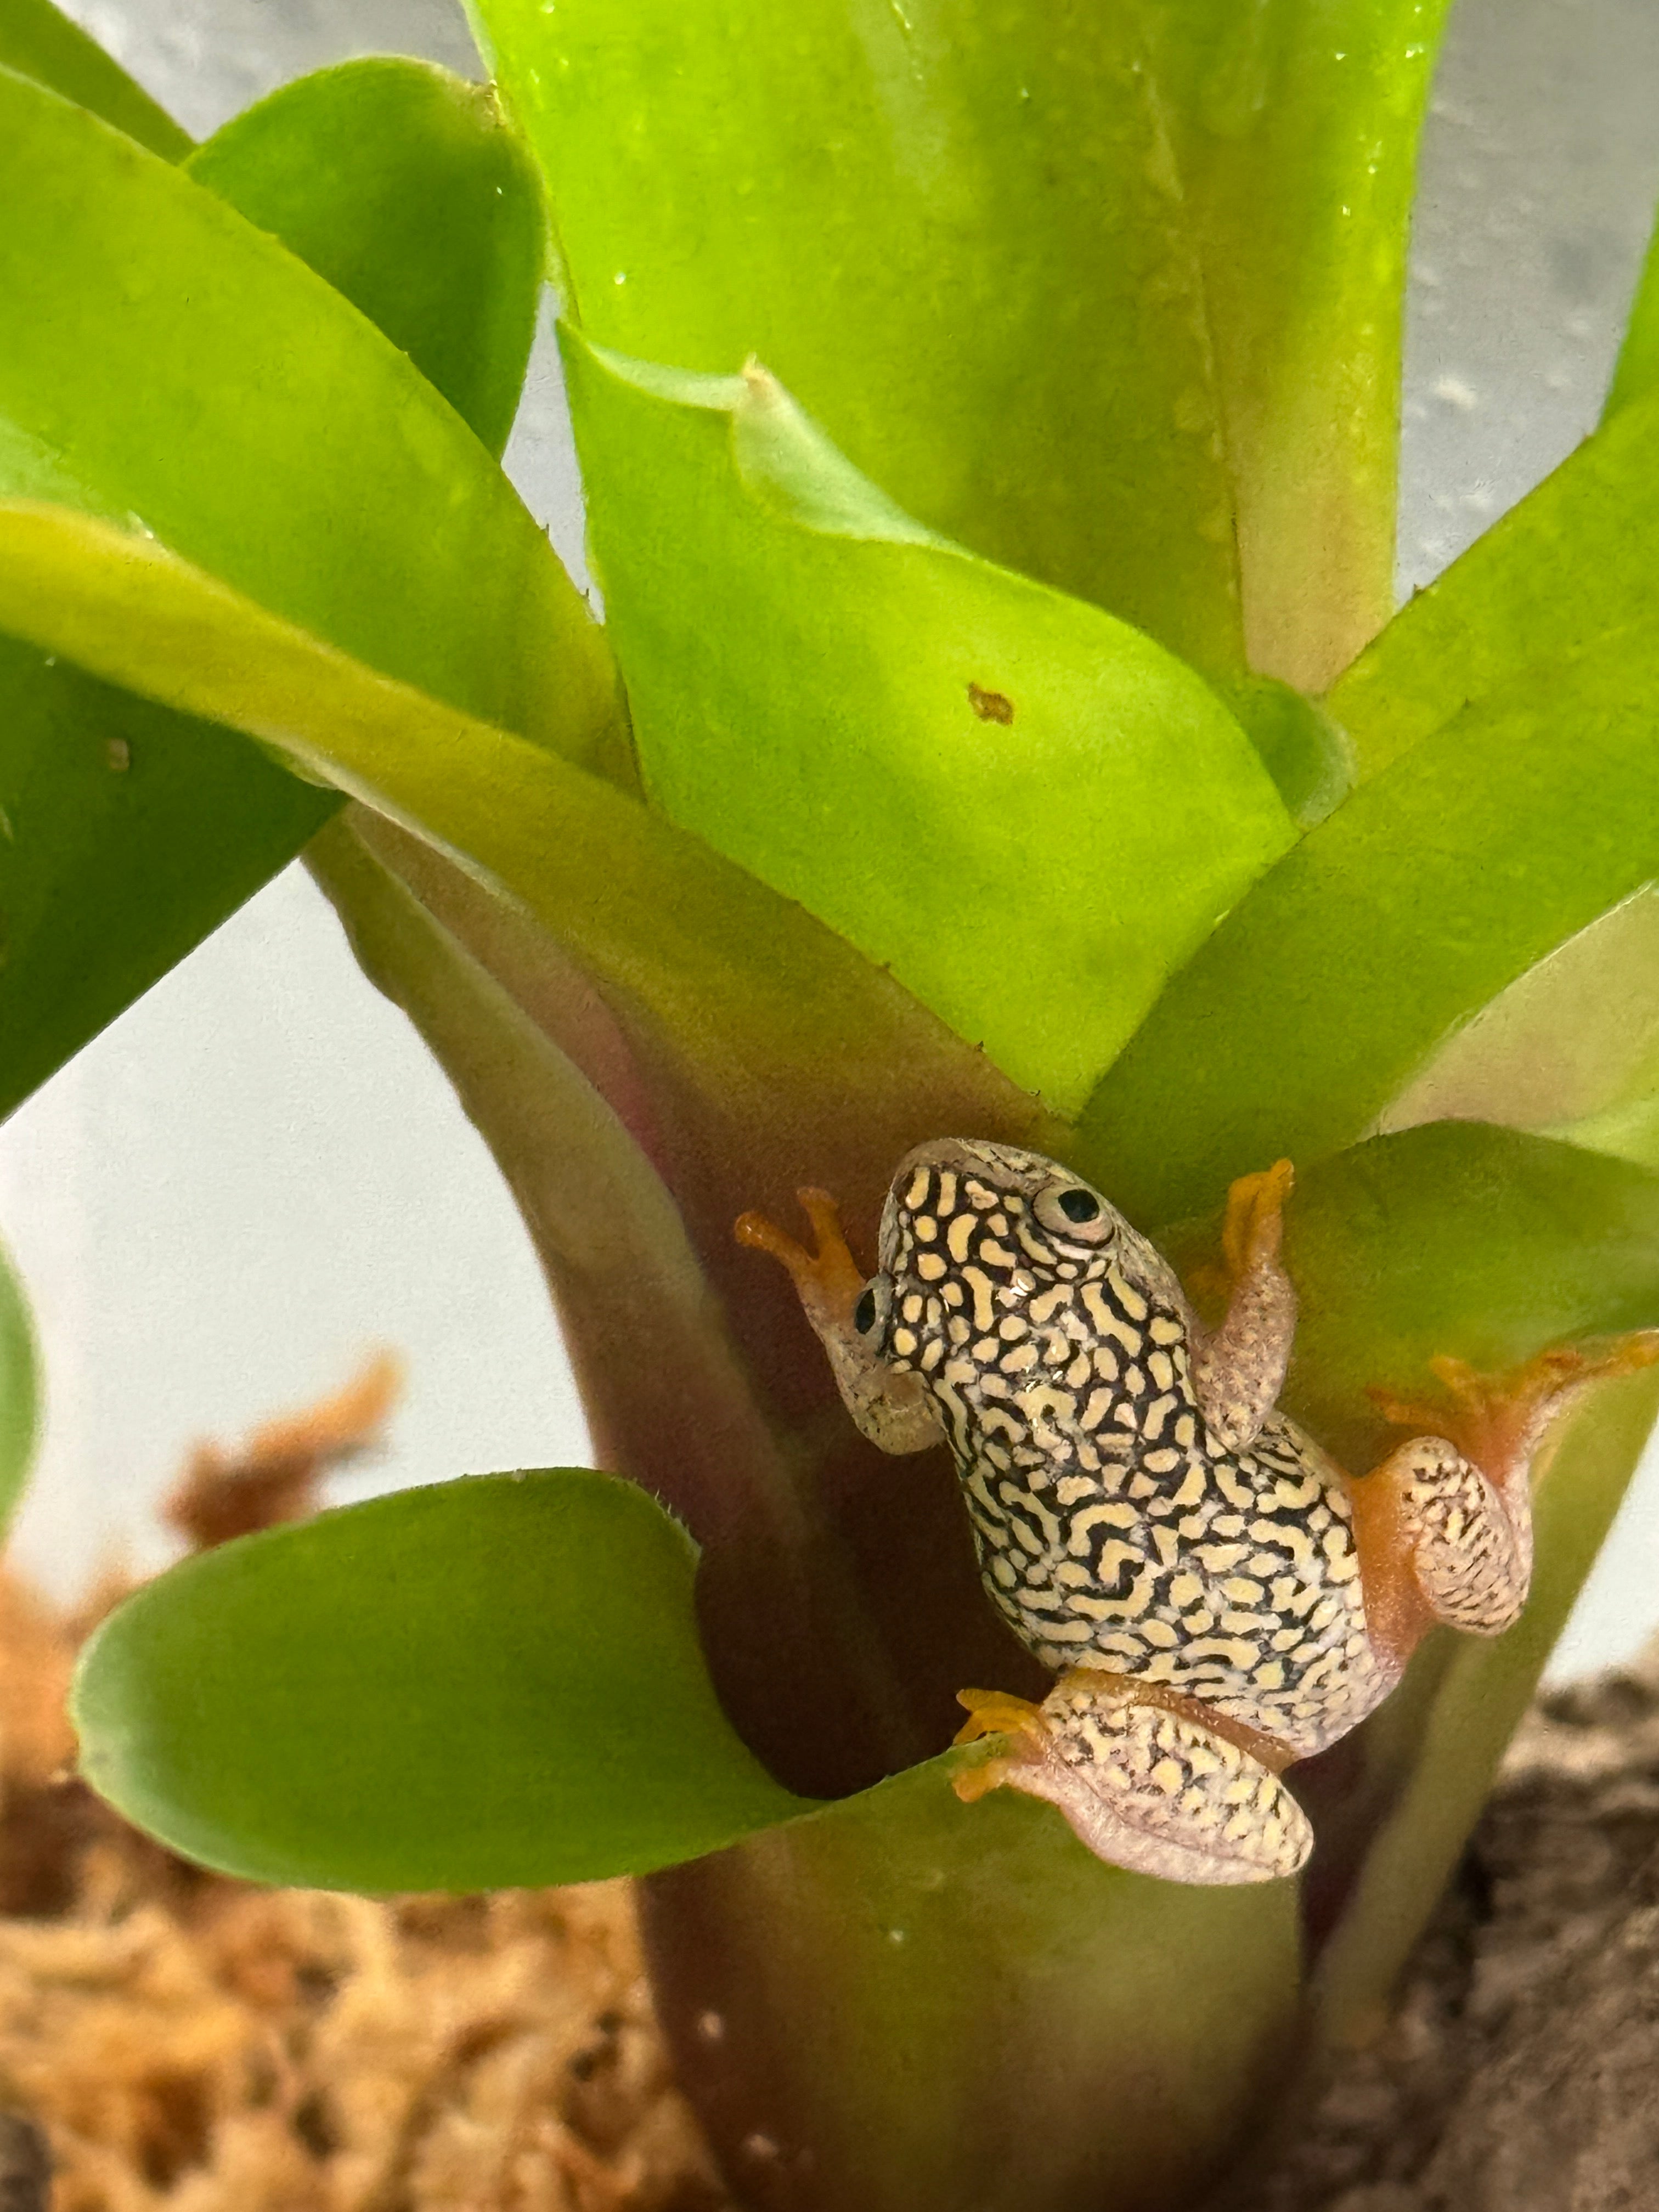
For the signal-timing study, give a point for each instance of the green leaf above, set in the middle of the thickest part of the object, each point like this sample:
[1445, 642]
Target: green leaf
[134, 831]
[1565, 572]
[895, 208]
[1335, 981]
[127, 834]
[1091, 291]
[980, 2013]
[1295, 124]
[485, 1684]
[747, 983]
[610, 1238]
[1571, 1049]
[41, 43]
[20, 1389]
[170, 367]
[1029, 811]
[401, 186]
[1484, 1243]
[1637, 371]
[741, 1041]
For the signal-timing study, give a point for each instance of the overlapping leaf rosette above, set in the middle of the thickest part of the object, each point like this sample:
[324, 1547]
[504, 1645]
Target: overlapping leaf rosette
[987, 421]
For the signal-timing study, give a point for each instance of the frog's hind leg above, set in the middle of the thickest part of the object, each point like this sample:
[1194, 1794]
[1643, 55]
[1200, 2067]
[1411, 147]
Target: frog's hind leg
[1144, 1787]
[1443, 1526]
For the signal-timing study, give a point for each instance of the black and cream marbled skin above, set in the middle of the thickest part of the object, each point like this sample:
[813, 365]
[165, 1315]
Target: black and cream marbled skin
[1115, 1530]
[1183, 1557]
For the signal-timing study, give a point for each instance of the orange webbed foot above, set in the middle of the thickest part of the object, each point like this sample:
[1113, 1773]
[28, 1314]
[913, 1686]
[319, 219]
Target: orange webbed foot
[828, 1278]
[1496, 1420]
[992, 1712]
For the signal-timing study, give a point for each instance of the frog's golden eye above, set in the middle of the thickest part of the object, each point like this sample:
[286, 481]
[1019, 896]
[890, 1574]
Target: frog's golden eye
[1073, 1212]
[875, 1301]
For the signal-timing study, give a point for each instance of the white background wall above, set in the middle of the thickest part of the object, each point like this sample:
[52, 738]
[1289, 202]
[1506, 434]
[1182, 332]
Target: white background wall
[255, 1174]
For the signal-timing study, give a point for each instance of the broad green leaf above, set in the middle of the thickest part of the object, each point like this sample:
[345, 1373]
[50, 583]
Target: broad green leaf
[488, 1683]
[1295, 124]
[1030, 811]
[20, 1388]
[127, 834]
[403, 185]
[1571, 1049]
[1437, 884]
[170, 367]
[135, 831]
[1487, 1244]
[1089, 291]
[957, 234]
[1565, 573]
[740, 978]
[732, 1420]
[41, 43]
[979, 2013]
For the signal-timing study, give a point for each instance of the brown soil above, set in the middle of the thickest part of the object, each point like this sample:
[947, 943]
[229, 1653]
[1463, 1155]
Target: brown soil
[189, 2044]
[1521, 2073]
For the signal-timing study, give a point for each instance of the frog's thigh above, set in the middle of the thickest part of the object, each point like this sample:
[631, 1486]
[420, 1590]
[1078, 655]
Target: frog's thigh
[1468, 1551]
[1152, 1791]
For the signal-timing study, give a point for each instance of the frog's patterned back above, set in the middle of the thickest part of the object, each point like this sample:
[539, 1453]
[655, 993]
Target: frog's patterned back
[1112, 1530]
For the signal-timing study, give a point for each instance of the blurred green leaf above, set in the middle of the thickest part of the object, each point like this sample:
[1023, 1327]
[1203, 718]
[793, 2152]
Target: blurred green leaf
[1565, 573]
[41, 43]
[1336, 979]
[488, 1683]
[1305, 752]
[20, 1389]
[404, 186]
[1029, 811]
[169, 367]
[127, 834]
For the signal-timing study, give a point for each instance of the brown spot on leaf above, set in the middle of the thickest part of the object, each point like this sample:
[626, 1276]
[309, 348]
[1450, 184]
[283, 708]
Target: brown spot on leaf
[990, 705]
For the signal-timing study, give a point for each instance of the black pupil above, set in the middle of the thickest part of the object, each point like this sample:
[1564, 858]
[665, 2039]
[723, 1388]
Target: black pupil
[864, 1314]
[1078, 1205]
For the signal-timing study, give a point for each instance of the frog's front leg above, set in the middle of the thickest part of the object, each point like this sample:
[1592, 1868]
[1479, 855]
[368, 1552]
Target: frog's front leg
[1144, 1786]
[1239, 1370]
[1443, 1526]
[891, 1407]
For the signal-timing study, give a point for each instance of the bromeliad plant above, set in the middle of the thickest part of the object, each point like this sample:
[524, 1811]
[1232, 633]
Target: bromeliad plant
[1000, 726]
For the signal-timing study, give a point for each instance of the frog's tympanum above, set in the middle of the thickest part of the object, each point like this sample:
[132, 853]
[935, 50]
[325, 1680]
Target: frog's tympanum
[1217, 1597]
